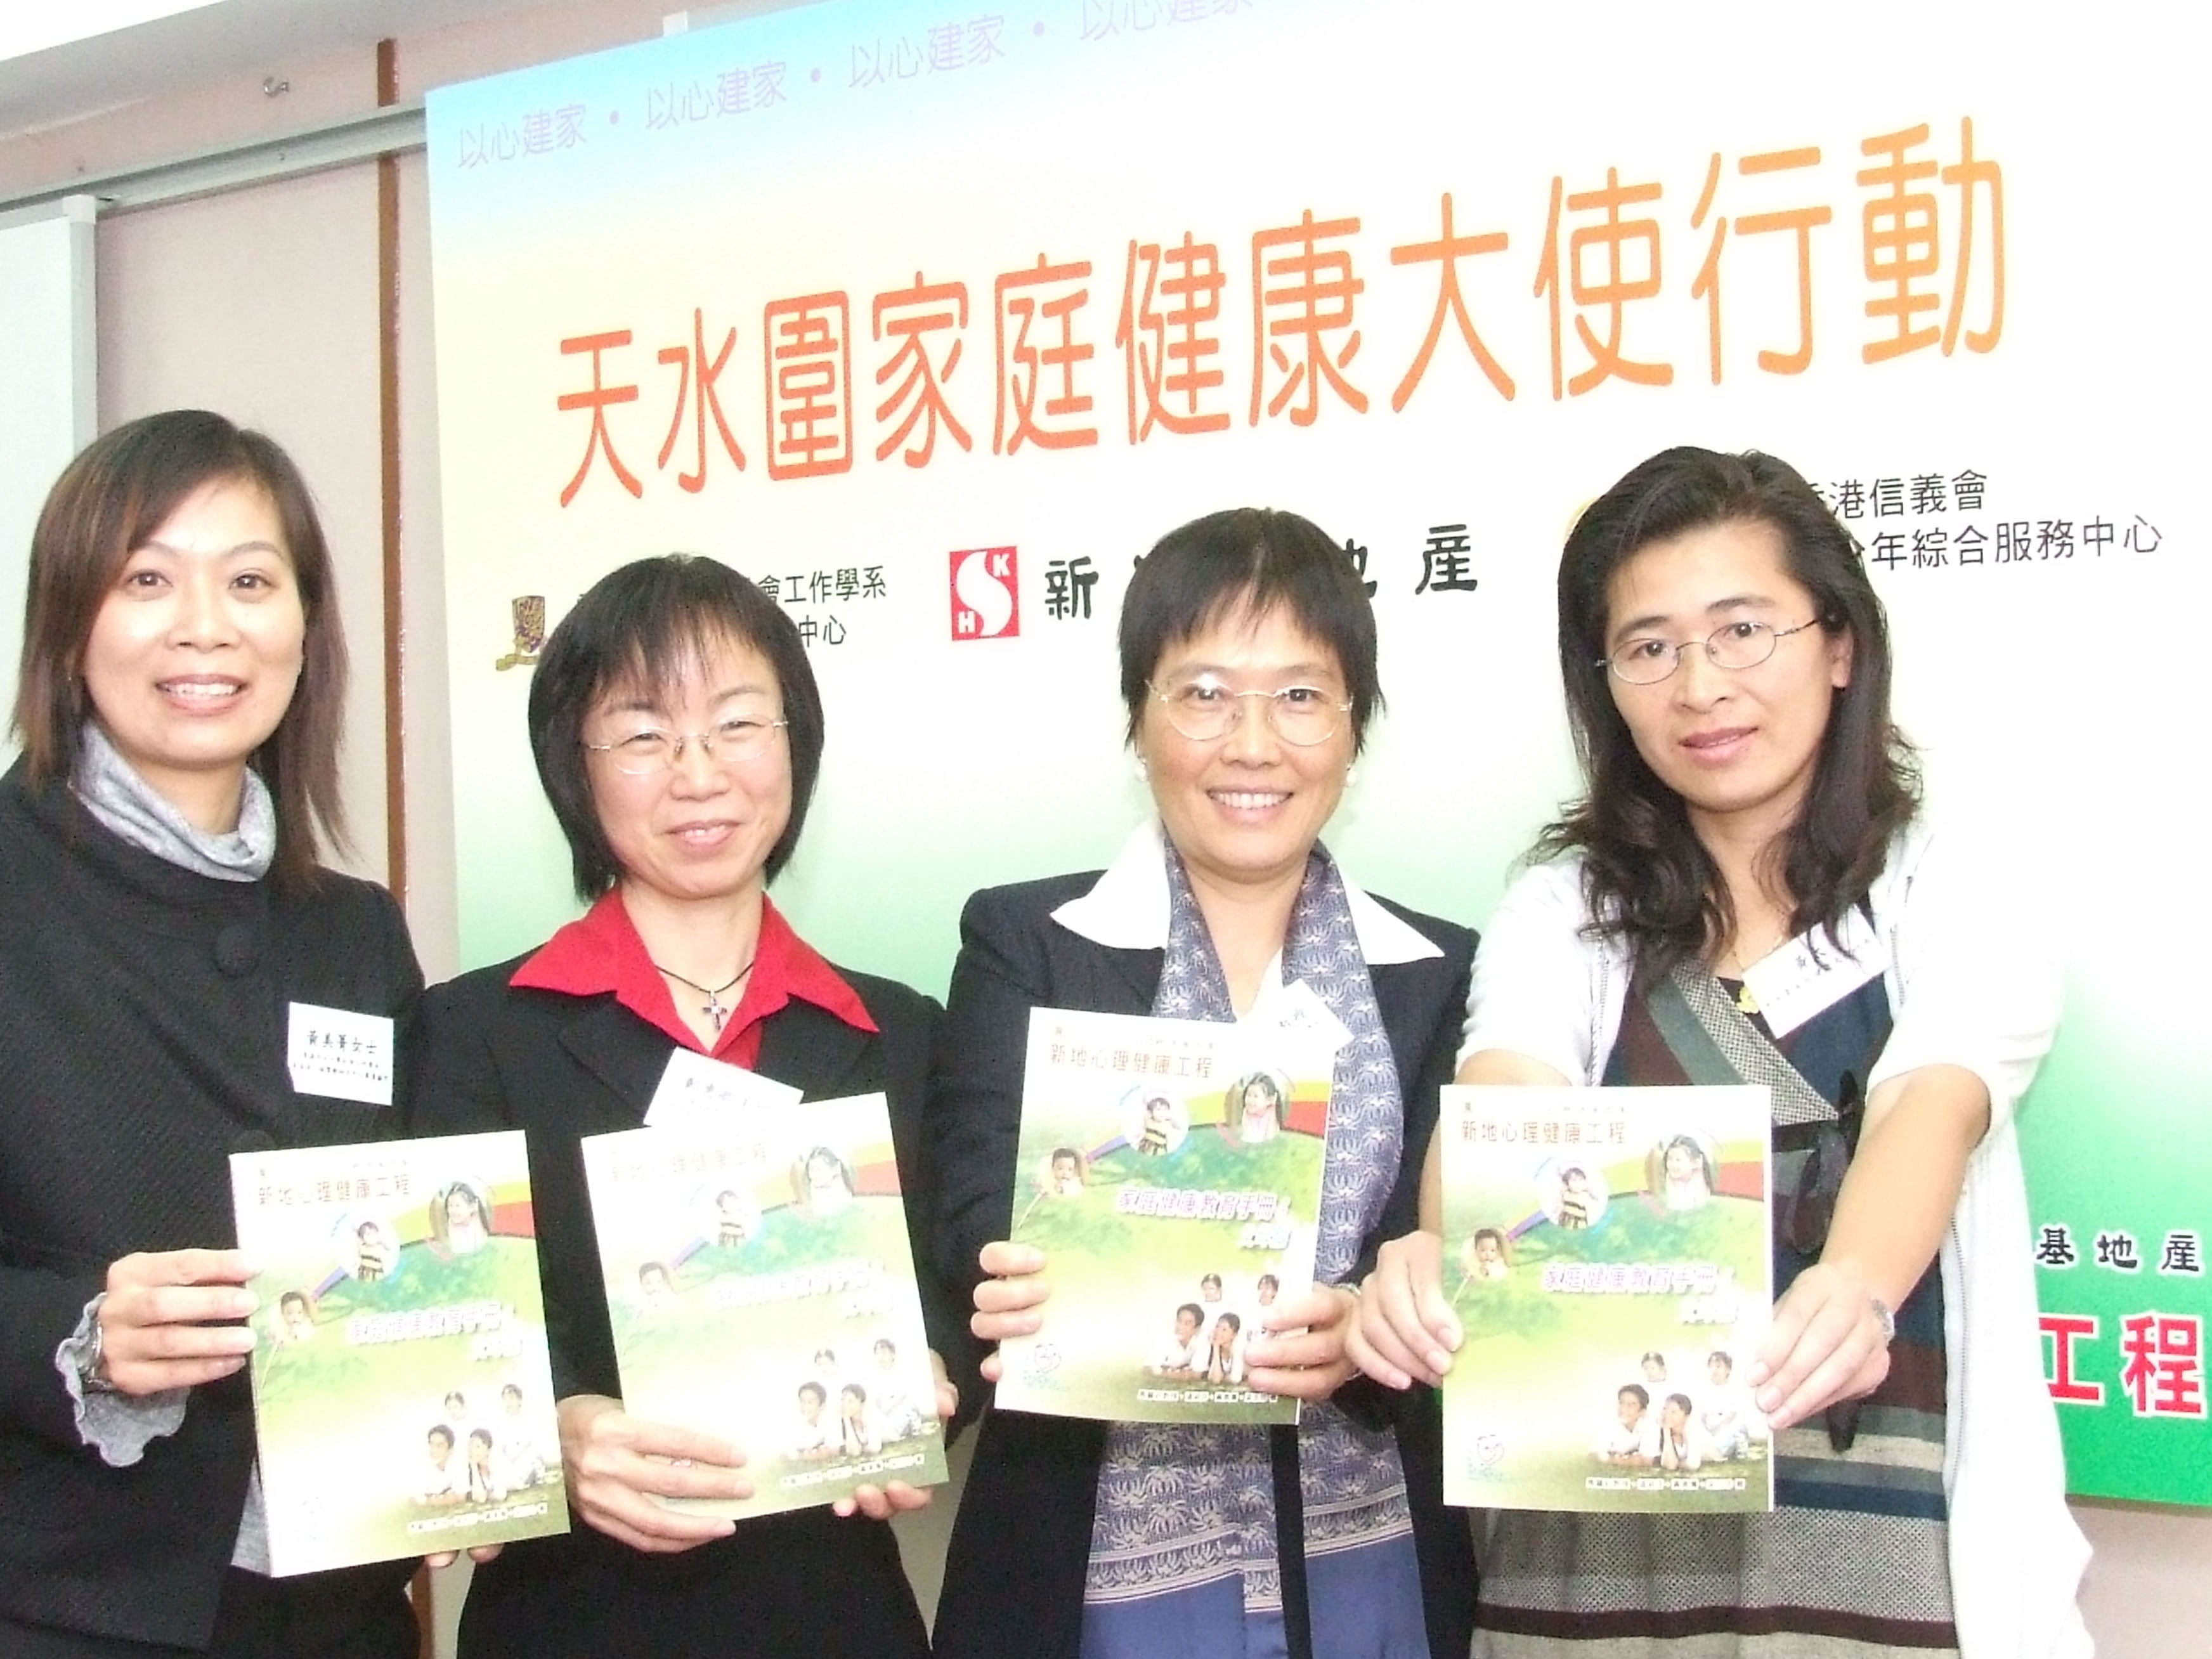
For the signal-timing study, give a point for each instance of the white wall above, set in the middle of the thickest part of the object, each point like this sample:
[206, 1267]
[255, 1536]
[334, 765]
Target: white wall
[47, 413]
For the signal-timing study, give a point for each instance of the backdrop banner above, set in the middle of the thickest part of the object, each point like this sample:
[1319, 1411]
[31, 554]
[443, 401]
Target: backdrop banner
[930, 319]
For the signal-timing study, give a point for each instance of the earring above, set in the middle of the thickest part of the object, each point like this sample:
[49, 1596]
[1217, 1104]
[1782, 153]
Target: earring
[1144, 771]
[1351, 775]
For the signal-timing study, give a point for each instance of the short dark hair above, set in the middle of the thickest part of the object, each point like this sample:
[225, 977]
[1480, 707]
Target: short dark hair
[814, 1388]
[1647, 877]
[1197, 1314]
[1642, 1398]
[105, 505]
[647, 624]
[1245, 562]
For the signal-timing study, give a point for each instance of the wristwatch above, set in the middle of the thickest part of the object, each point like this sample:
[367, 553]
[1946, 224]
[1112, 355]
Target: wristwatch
[1885, 1318]
[91, 1374]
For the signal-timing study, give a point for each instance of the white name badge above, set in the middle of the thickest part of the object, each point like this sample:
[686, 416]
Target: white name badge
[1300, 1011]
[1791, 983]
[337, 1052]
[696, 1089]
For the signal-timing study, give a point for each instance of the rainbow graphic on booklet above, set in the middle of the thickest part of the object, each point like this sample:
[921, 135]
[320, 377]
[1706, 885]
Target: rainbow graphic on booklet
[403, 1400]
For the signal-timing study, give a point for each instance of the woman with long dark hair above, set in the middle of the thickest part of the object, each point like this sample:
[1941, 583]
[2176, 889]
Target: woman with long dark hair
[1748, 891]
[183, 679]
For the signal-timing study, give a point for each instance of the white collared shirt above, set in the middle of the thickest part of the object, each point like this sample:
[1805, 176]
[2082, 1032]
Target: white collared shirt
[1129, 909]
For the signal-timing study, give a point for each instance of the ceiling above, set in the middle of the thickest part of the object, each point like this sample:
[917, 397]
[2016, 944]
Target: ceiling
[106, 67]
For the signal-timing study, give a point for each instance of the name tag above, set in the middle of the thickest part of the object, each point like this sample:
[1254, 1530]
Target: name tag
[1299, 1010]
[1792, 983]
[337, 1052]
[696, 1089]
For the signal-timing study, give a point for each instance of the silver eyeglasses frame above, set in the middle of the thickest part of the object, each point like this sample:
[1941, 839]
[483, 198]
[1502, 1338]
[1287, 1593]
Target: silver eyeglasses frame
[1233, 712]
[1718, 651]
[748, 738]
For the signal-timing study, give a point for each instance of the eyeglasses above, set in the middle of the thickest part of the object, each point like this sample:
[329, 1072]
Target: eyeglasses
[643, 753]
[1732, 645]
[1205, 709]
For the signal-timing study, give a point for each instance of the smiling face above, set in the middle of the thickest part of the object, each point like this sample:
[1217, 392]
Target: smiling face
[1739, 745]
[1486, 1248]
[1245, 809]
[194, 654]
[703, 827]
[1682, 1161]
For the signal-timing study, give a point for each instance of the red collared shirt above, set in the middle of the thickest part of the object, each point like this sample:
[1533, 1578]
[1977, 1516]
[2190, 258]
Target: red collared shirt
[600, 953]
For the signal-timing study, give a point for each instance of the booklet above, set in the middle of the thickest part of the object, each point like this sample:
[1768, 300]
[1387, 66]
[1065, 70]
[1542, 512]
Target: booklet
[760, 1287]
[1170, 1171]
[402, 1398]
[1607, 1253]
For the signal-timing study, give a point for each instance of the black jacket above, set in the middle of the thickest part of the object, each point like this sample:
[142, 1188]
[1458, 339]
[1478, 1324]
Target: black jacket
[142, 1034]
[560, 1067]
[1014, 1579]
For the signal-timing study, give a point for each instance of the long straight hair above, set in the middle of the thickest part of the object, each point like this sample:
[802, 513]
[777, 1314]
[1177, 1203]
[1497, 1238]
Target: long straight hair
[1647, 879]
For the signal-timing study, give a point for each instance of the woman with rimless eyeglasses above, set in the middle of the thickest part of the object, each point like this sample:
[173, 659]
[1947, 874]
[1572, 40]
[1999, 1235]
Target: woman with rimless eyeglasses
[678, 735]
[1249, 672]
[1749, 890]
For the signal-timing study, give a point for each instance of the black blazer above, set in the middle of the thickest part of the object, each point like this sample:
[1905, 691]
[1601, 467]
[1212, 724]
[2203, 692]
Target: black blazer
[145, 1010]
[1014, 1579]
[560, 1067]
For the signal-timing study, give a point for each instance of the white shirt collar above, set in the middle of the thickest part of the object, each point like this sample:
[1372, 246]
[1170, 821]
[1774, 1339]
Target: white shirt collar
[1127, 909]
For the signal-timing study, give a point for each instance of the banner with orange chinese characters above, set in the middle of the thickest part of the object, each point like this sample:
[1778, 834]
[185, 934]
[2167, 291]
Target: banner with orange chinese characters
[932, 317]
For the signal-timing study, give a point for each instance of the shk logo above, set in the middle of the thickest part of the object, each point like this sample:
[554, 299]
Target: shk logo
[987, 595]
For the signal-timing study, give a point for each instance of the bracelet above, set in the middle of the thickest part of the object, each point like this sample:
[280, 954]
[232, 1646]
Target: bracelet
[1885, 1318]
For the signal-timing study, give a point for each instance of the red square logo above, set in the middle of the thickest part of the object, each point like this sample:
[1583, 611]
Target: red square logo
[986, 594]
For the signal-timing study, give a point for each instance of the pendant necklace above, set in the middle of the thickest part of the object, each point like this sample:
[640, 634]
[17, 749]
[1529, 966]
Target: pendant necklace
[715, 1013]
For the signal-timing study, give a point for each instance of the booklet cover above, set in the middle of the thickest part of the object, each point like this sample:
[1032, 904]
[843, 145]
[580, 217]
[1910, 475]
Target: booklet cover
[761, 1288]
[1607, 1253]
[1170, 1171]
[401, 1395]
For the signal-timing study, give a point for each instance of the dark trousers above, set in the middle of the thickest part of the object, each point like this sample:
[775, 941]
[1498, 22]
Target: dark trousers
[360, 1614]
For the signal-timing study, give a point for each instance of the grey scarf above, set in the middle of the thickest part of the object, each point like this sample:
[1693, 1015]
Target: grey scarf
[115, 794]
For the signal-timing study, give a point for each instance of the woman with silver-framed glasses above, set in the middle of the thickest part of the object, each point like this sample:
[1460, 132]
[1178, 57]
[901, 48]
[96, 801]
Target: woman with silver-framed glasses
[1750, 891]
[1248, 661]
[678, 734]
